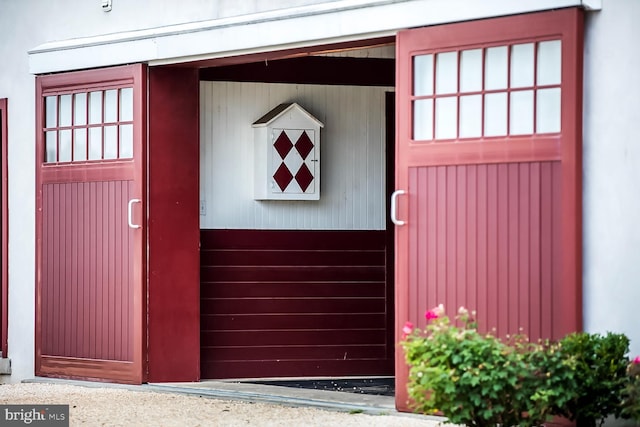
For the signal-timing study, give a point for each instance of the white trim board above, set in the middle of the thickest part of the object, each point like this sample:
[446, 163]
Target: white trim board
[298, 27]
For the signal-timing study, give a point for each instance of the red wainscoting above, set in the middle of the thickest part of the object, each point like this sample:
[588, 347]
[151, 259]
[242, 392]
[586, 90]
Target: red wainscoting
[294, 303]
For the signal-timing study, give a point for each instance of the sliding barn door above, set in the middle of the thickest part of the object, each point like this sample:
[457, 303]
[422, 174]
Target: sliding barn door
[90, 212]
[489, 159]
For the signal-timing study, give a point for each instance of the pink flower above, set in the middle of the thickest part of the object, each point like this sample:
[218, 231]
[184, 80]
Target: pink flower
[407, 328]
[430, 314]
[435, 312]
[636, 360]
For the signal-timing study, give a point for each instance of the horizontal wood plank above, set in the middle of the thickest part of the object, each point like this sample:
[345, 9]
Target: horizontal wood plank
[292, 273]
[310, 337]
[292, 305]
[324, 257]
[292, 352]
[225, 322]
[325, 70]
[307, 298]
[295, 368]
[292, 239]
[291, 289]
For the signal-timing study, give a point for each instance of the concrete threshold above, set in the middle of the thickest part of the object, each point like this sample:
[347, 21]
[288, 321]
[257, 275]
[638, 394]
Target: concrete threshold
[248, 392]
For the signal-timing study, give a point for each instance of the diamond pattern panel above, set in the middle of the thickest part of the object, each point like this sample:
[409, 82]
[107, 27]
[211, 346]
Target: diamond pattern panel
[294, 168]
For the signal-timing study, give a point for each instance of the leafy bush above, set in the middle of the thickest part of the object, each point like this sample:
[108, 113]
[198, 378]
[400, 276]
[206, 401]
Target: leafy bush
[631, 392]
[601, 376]
[478, 380]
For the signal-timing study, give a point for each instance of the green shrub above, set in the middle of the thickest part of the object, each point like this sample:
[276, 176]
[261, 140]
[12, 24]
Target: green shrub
[631, 392]
[601, 375]
[478, 380]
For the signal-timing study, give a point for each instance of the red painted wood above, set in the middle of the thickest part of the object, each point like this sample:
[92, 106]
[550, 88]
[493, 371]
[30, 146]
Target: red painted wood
[316, 258]
[4, 230]
[277, 240]
[292, 289]
[71, 247]
[277, 321]
[325, 70]
[90, 268]
[294, 352]
[174, 225]
[500, 215]
[291, 313]
[507, 288]
[294, 368]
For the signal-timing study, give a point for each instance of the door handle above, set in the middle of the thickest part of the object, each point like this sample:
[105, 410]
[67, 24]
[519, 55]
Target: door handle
[394, 207]
[130, 212]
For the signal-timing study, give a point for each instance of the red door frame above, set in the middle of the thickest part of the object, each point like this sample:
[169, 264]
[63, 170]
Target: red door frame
[135, 76]
[564, 147]
[4, 288]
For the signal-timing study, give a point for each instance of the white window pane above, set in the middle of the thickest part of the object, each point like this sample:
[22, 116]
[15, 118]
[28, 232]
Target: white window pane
[65, 110]
[423, 75]
[64, 146]
[471, 116]
[495, 114]
[110, 142]
[111, 106]
[51, 147]
[95, 107]
[95, 143]
[549, 62]
[80, 109]
[126, 141]
[496, 68]
[423, 119]
[51, 111]
[446, 117]
[522, 65]
[548, 111]
[126, 104]
[471, 70]
[521, 113]
[447, 72]
[79, 145]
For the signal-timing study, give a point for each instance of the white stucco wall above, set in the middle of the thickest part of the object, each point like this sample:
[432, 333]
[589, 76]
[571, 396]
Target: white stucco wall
[611, 141]
[612, 170]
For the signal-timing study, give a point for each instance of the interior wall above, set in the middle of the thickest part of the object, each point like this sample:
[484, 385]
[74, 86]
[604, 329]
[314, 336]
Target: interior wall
[352, 157]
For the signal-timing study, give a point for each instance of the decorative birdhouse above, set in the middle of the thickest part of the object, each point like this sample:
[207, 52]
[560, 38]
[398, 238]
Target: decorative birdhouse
[287, 154]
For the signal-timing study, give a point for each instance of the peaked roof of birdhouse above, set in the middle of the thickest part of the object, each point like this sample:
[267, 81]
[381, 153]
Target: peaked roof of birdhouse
[281, 110]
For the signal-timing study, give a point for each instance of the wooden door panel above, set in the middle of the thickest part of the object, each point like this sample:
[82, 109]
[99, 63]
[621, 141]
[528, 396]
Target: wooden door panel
[87, 271]
[90, 281]
[492, 202]
[484, 238]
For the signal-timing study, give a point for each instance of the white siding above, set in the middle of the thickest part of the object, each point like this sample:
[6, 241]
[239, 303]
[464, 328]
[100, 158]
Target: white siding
[612, 170]
[353, 161]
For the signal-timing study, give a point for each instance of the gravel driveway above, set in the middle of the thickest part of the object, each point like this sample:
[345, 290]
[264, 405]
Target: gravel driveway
[91, 406]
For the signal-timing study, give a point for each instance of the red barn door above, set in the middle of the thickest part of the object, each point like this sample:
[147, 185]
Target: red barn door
[89, 238]
[489, 159]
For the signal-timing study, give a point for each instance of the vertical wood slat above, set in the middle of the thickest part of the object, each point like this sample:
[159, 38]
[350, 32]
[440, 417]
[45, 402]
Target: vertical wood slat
[492, 244]
[83, 298]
